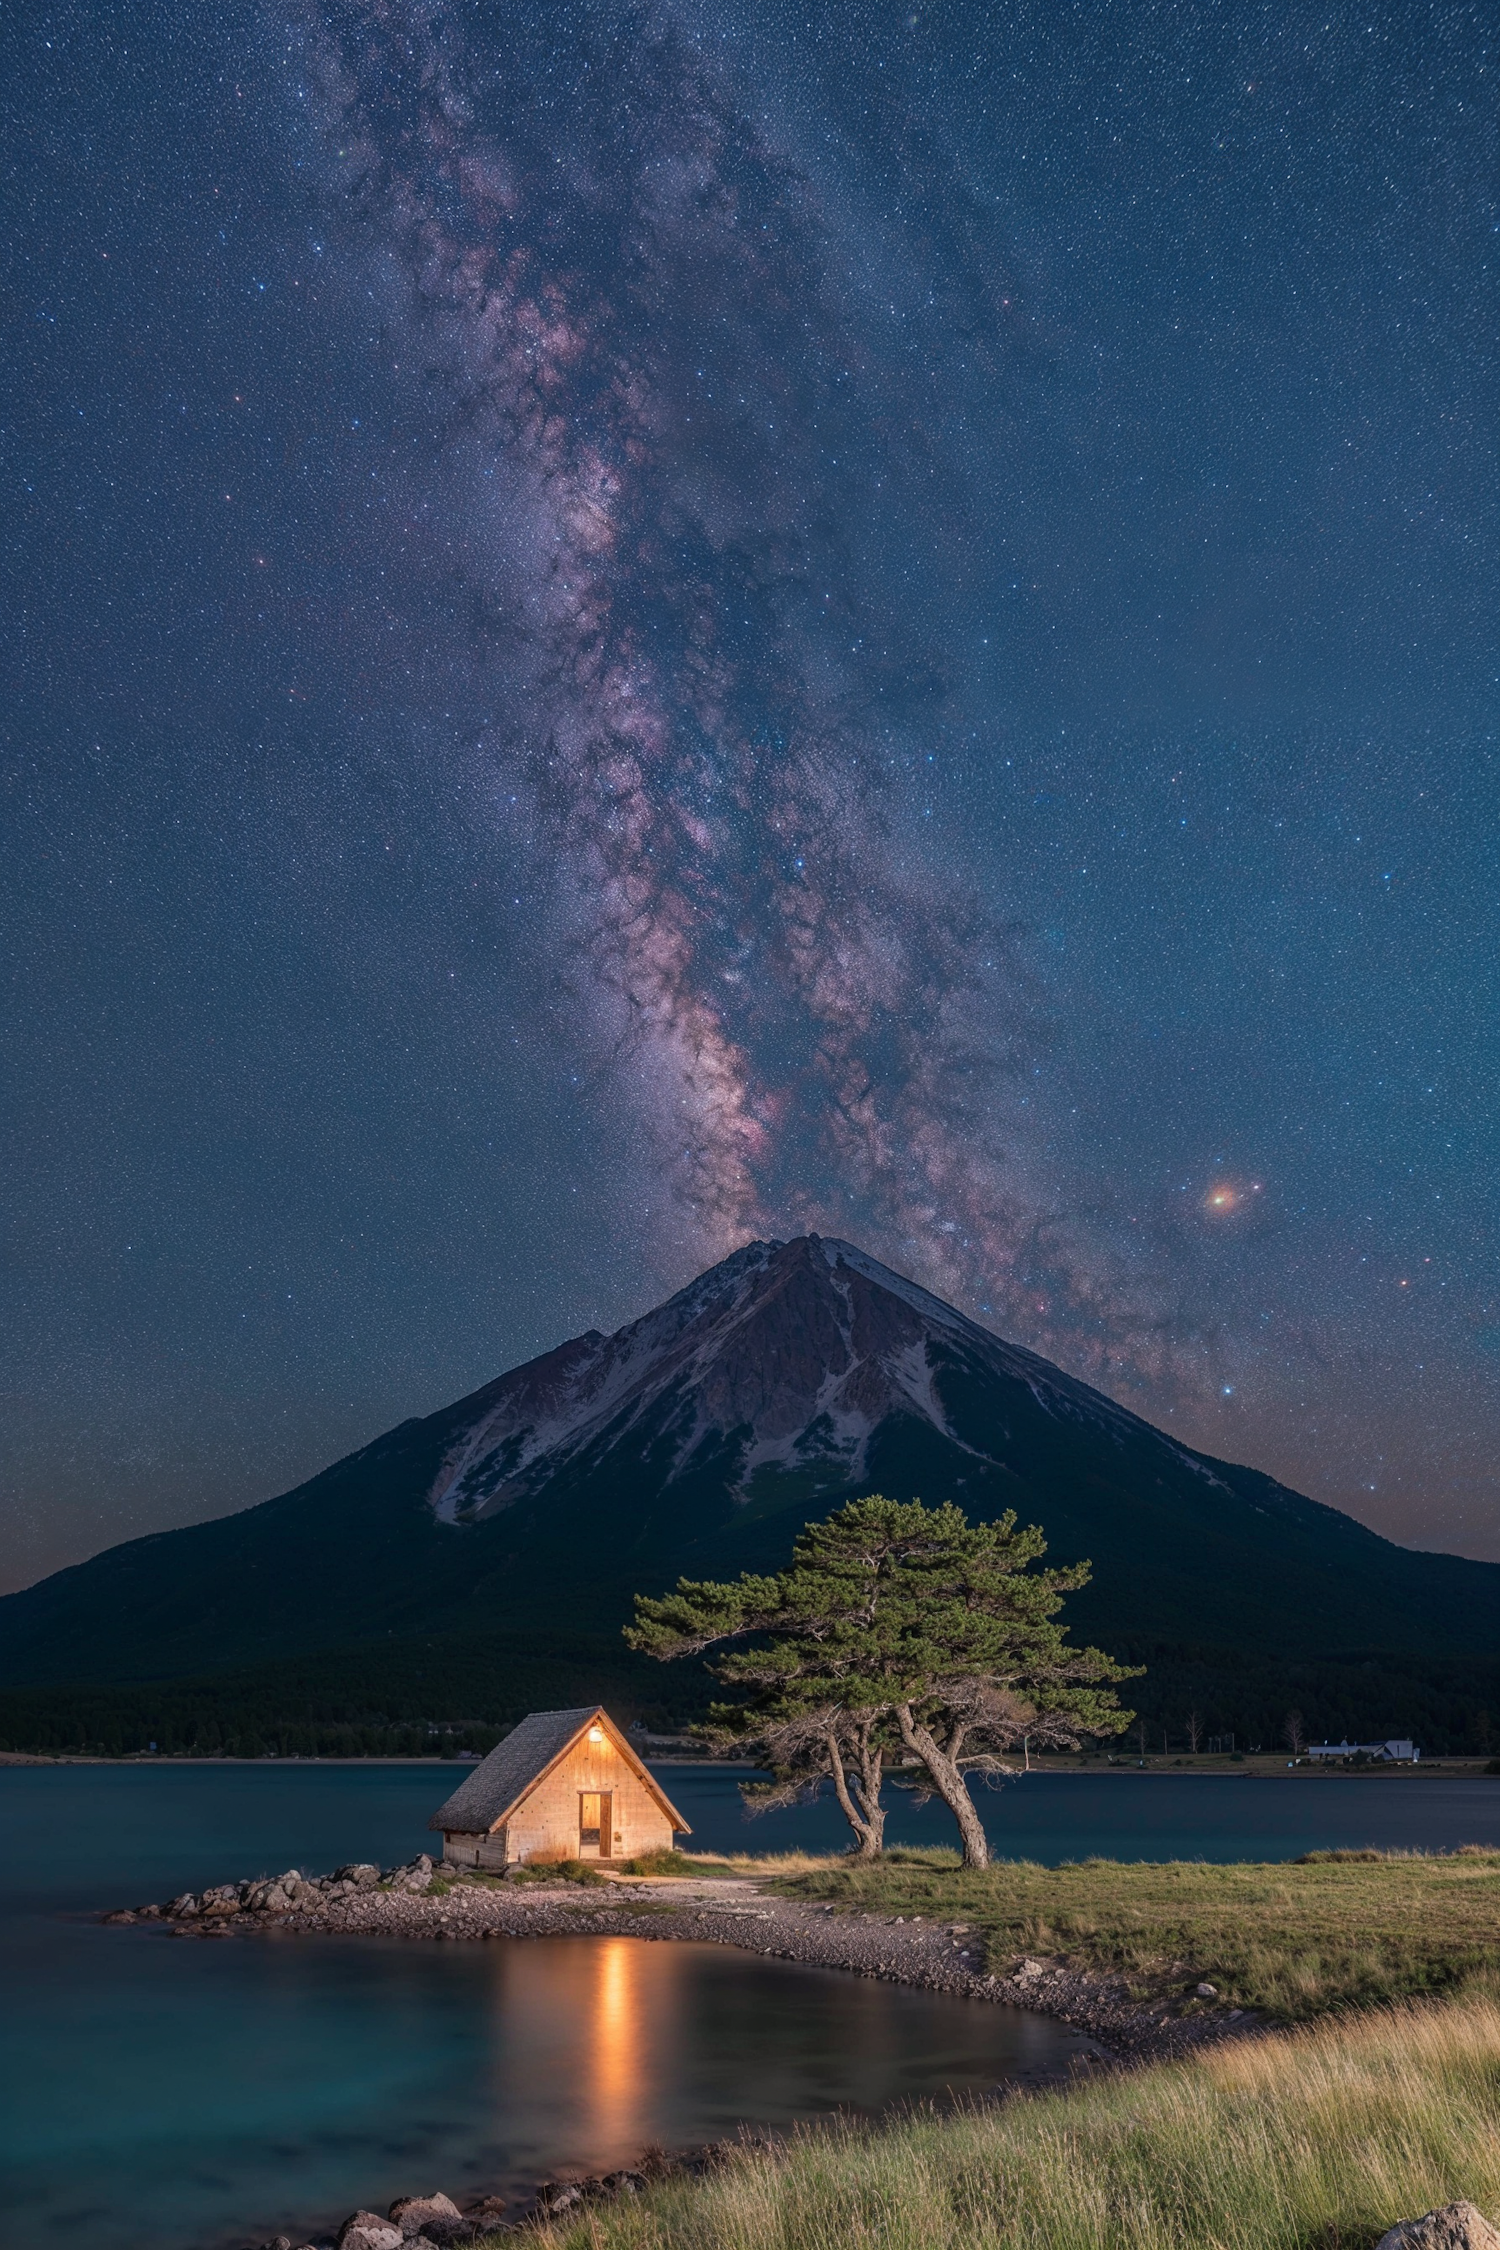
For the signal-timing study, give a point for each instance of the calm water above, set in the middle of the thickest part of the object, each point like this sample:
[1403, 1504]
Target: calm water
[180, 2096]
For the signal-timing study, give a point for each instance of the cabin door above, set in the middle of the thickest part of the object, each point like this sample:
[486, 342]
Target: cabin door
[596, 1814]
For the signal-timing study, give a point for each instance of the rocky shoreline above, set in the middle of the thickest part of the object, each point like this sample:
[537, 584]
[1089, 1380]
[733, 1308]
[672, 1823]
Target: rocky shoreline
[422, 1903]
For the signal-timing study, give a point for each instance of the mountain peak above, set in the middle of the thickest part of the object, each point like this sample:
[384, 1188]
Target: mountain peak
[786, 1355]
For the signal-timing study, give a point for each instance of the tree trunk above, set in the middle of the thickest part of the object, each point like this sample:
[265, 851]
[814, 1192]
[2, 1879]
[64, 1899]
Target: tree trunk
[867, 1788]
[867, 1819]
[948, 1781]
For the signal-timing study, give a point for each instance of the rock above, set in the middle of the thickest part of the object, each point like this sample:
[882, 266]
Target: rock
[360, 1873]
[366, 2230]
[1206, 1991]
[552, 2198]
[124, 1915]
[436, 2216]
[1458, 2226]
[487, 2211]
[183, 1909]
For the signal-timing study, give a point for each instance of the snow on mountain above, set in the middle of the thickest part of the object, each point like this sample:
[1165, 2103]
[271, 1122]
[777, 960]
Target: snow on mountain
[794, 1352]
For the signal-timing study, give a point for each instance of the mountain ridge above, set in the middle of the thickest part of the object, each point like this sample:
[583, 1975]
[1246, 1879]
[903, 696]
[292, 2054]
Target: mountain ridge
[696, 1440]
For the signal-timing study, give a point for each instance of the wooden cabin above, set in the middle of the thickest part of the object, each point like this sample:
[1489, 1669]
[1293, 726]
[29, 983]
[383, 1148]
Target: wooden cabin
[562, 1785]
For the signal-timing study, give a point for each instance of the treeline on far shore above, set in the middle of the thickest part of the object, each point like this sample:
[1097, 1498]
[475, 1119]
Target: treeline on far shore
[460, 1692]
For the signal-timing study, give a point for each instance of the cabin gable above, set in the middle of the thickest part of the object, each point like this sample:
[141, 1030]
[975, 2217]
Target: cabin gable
[563, 1785]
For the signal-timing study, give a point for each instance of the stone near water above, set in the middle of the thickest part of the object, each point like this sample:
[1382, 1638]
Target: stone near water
[1206, 1991]
[414, 1877]
[488, 2211]
[435, 2216]
[552, 2198]
[367, 2230]
[1458, 2226]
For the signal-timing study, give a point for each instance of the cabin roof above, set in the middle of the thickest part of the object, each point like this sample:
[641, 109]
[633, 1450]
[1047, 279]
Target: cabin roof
[516, 1765]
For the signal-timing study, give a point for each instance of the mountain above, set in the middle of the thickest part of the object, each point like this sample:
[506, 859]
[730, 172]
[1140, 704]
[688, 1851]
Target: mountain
[470, 1556]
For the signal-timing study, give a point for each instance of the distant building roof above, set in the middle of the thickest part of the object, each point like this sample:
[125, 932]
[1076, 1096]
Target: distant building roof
[484, 1797]
[1397, 1749]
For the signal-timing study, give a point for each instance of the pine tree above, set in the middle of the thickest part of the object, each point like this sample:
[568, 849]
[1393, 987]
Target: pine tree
[905, 1622]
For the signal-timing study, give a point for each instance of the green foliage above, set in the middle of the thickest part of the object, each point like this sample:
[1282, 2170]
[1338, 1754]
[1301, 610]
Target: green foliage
[896, 1617]
[579, 1871]
[883, 1604]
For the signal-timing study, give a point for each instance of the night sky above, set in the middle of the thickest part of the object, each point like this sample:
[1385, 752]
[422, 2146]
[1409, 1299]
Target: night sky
[626, 630]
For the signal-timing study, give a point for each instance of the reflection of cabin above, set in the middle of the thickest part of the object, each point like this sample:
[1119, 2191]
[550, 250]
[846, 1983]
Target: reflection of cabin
[562, 1785]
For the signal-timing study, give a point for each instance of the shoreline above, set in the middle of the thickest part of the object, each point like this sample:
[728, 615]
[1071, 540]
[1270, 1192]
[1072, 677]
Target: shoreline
[1162, 1769]
[1116, 2031]
[734, 1910]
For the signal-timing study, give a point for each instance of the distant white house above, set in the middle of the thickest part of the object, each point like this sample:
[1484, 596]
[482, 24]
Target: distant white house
[1392, 1753]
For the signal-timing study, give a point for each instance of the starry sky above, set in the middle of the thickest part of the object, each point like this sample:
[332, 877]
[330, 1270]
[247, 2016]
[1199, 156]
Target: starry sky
[631, 628]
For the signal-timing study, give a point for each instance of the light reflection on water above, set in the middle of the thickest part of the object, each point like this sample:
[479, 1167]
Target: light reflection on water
[582, 2029]
[175, 2095]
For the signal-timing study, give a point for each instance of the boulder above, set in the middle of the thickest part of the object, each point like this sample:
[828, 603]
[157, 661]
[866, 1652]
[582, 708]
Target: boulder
[1206, 1991]
[360, 1873]
[1458, 2226]
[184, 1908]
[366, 2230]
[436, 2216]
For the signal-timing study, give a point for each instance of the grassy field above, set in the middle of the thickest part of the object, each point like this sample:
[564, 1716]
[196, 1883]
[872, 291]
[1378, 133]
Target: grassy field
[1289, 1939]
[1316, 2139]
[1337, 1929]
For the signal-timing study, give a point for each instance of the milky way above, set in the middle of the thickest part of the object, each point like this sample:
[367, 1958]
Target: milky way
[639, 627]
[661, 416]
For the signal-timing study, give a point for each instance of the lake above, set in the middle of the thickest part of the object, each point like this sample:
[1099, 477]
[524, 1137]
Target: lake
[166, 2096]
